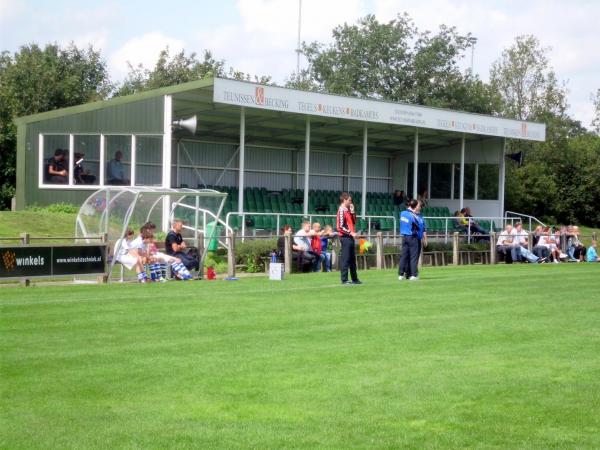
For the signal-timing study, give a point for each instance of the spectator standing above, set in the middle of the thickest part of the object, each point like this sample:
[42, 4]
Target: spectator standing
[328, 233]
[409, 229]
[316, 247]
[346, 218]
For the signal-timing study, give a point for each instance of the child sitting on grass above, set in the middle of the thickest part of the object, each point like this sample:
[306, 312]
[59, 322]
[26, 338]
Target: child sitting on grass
[592, 255]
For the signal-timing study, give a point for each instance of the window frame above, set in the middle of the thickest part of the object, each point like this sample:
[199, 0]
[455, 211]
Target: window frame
[43, 185]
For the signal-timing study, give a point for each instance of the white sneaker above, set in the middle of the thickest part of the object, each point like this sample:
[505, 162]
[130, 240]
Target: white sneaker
[413, 278]
[401, 277]
[556, 261]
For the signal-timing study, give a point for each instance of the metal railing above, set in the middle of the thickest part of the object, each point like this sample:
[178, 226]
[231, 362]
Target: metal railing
[519, 217]
[279, 223]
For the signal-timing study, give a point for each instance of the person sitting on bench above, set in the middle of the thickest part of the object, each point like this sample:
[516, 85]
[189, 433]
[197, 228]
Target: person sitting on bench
[176, 246]
[128, 256]
[302, 241]
[57, 168]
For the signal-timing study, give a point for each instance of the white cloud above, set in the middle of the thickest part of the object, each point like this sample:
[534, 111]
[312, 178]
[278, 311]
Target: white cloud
[143, 50]
[96, 38]
[266, 40]
[572, 33]
[9, 9]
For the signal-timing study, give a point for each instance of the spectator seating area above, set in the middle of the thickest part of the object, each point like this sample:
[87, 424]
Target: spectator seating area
[322, 203]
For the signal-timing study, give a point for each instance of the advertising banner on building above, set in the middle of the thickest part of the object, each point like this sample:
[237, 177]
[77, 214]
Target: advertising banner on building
[47, 261]
[275, 98]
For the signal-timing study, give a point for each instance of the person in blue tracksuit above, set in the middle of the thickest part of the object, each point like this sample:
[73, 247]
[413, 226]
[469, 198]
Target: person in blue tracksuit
[413, 231]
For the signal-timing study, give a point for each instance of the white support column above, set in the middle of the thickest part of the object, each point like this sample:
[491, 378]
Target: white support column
[177, 177]
[476, 194]
[167, 158]
[461, 191]
[364, 174]
[242, 162]
[416, 164]
[306, 165]
[71, 158]
[167, 141]
[133, 159]
[41, 162]
[428, 181]
[452, 173]
[501, 180]
[102, 169]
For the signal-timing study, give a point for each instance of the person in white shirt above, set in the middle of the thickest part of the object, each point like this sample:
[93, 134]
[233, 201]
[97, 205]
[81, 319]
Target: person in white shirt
[548, 241]
[520, 242]
[302, 244]
[504, 243]
[127, 254]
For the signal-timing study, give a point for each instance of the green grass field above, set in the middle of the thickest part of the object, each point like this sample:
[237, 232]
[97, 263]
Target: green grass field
[487, 357]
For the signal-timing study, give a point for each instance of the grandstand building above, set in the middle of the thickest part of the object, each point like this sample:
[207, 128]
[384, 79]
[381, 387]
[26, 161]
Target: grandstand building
[273, 149]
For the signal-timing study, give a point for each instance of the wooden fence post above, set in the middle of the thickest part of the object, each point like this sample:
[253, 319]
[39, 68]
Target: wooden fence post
[25, 240]
[288, 252]
[334, 253]
[455, 248]
[104, 277]
[231, 255]
[201, 252]
[379, 250]
[493, 247]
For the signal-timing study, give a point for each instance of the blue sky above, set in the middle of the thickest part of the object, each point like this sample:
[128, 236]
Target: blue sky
[259, 36]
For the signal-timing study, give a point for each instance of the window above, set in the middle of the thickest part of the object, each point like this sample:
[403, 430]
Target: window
[441, 177]
[118, 159]
[422, 179]
[55, 159]
[487, 178]
[86, 159]
[469, 184]
[148, 160]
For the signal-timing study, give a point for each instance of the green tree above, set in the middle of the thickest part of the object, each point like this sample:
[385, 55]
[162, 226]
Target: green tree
[395, 61]
[553, 178]
[179, 68]
[524, 79]
[36, 79]
[596, 119]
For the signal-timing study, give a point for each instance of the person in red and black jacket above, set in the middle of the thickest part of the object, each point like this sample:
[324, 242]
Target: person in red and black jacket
[346, 218]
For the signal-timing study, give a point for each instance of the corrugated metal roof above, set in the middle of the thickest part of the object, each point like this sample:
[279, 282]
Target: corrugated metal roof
[116, 101]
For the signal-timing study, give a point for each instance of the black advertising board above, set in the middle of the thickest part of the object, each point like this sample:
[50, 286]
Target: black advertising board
[25, 262]
[30, 261]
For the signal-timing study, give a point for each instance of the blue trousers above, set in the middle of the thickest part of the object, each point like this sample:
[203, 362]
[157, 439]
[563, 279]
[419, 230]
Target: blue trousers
[409, 258]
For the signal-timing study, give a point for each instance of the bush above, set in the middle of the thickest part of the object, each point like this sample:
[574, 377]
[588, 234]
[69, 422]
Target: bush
[249, 253]
[64, 208]
[216, 261]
